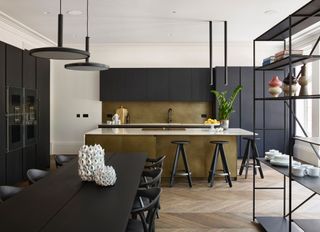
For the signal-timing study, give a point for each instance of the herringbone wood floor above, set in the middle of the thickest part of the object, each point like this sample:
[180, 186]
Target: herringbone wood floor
[224, 209]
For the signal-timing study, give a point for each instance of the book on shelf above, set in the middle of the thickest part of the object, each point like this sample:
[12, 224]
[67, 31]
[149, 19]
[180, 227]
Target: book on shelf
[285, 53]
[268, 60]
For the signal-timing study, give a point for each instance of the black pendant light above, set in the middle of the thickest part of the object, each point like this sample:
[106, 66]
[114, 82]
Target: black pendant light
[60, 52]
[87, 66]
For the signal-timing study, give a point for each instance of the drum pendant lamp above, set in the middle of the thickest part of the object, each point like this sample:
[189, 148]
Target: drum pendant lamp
[87, 65]
[59, 52]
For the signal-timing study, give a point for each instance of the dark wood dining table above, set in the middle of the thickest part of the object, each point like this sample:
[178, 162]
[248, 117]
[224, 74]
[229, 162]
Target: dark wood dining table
[62, 202]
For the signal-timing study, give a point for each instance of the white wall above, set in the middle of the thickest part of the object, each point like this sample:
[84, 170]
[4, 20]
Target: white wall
[78, 92]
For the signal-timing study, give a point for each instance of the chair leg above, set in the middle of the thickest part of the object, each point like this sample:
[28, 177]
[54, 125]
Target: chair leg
[174, 167]
[255, 155]
[225, 165]
[244, 159]
[213, 167]
[186, 166]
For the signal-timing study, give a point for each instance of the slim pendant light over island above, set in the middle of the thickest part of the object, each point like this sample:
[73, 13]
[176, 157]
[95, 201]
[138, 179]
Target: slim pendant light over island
[59, 52]
[87, 66]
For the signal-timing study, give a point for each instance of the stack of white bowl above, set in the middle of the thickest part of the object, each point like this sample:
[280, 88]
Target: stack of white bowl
[279, 159]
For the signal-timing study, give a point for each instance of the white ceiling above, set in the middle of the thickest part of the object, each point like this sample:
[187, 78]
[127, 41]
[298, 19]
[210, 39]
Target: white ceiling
[148, 21]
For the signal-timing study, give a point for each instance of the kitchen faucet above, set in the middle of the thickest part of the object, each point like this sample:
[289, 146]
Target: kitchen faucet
[169, 115]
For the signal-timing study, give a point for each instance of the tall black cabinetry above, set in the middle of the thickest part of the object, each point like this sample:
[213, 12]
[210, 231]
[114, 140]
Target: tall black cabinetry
[24, 126]
[271, 130]
[43, 86]
[2, 114]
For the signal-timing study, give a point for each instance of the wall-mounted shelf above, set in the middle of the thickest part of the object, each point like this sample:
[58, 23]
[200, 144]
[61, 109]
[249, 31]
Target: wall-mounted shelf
[284, 63]
[300, 20]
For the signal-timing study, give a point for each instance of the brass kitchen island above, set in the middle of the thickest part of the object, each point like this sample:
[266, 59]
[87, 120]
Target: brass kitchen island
[157, 141]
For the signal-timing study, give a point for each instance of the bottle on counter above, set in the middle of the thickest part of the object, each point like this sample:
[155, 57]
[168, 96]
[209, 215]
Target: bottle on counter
[123, 113]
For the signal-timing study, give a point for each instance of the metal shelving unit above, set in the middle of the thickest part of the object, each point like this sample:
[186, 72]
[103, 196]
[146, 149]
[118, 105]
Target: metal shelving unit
[283, 31]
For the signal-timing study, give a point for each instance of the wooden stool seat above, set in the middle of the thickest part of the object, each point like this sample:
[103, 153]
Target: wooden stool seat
[180, 142]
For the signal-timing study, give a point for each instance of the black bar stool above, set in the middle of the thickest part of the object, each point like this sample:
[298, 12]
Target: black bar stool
[251, 145]
[219, 150]
[186, 172]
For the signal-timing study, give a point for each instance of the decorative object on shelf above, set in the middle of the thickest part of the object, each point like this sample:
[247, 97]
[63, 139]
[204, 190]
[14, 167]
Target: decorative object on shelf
[92, 167]
[275, 86]
[87, 65]
[286, 85]
[59, 52]
[226, 105]
[304, 81]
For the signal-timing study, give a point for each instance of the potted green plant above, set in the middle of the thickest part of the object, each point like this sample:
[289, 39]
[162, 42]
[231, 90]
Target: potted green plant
[225, 106]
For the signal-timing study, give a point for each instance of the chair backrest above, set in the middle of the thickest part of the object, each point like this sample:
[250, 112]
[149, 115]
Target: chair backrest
[153, 194]
[35, 175]
[62, 159]
[7, 192]
[155, 163]
[151, 178]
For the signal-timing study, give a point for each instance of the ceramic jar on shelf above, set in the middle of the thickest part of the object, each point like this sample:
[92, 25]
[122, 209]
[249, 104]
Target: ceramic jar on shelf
[275, 86]
[294, 85]
[304, 80]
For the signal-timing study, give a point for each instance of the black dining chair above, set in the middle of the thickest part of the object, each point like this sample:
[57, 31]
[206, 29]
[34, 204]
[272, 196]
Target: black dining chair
[153, 163]
[144, 217]
[7, 192]
[62, 159]
[35, 175]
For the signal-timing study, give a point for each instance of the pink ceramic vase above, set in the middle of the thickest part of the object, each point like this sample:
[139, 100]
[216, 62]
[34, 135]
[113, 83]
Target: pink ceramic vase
[275, 82]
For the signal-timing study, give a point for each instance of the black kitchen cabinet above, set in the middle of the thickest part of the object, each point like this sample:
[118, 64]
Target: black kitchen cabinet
[28, 159]
[13, 66]
[200, 85]
[274, 139]
[179, 84]
[155, 84]
[233, 82]
[158, 84]
[14, 167]
[135, 86]
[43, 86]
[2, 100]
[29, 71]
[2, 169]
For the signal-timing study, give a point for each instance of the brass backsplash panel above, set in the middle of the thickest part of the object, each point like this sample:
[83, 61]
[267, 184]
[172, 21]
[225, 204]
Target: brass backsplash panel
[156, 112]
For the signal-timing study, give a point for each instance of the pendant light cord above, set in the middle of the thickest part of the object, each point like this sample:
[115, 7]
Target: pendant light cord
[87, 18]
[60, 6]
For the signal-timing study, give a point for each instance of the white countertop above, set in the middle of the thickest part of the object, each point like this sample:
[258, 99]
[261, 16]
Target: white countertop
[187, 131]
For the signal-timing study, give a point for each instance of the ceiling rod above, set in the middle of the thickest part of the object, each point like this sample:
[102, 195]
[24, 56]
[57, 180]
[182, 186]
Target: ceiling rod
[87, 65]
[225, 54]
[210, 53]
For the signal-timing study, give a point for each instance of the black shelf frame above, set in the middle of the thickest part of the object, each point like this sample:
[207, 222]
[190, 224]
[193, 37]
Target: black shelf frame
[283, 32]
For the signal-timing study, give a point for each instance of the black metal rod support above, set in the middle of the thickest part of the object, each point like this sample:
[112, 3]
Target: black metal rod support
[290, 124]
[210, 53]
[60, 30]
[315, 45]
[225, 53]
[301, 204]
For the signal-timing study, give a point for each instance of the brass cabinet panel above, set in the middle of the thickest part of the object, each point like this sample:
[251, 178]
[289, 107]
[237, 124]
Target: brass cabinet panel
[199, 151]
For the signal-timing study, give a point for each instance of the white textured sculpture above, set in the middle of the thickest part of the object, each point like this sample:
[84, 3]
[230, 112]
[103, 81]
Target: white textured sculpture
[92, 167]
[106, 176]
